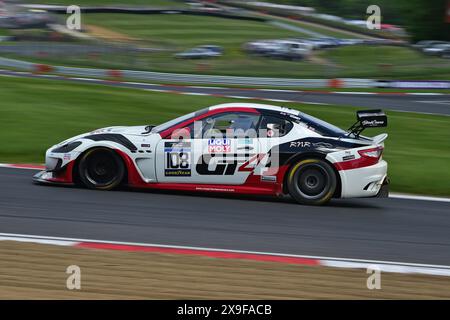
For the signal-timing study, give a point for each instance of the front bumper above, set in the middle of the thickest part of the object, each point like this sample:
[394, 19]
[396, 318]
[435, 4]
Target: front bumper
[61, 177]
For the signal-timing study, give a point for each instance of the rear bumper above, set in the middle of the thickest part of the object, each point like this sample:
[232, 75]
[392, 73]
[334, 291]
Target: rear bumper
[368, 181]
[384, 190]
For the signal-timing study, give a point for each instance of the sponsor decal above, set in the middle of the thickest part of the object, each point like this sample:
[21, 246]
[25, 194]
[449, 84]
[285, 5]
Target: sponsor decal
[214, 189]
[219, 145]
[348, 157]
[269, 178]
[323, 145]
[300, 144]
[67, 156]
[177, 159]
[145, 145]
[372, 123]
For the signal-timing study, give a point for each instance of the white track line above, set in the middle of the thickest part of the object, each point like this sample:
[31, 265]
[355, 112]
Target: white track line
[353, 92]
[13, 166]
[206, 87]
[86, 79]
[276, 100]
[417, 197]
[195, 93]
[140, 83]
[425, 93]
[386, 266]
[279, 90]
[240, 97]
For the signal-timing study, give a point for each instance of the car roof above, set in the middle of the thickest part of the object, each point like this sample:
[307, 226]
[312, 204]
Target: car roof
[258, 106]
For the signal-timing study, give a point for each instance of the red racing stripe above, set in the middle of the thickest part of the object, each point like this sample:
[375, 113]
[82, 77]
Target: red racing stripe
[199, 252]
[357, 163]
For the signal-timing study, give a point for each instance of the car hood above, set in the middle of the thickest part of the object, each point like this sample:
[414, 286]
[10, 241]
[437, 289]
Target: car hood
[130, 131]
[133, 130]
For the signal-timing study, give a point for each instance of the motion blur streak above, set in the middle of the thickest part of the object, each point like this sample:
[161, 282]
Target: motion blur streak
[372, 229]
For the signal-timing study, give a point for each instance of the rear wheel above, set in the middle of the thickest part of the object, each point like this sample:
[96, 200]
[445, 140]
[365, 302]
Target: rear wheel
[101, 168]
[311, 181]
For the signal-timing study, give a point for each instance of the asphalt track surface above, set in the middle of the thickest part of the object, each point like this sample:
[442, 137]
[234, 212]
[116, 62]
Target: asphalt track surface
[420, 103]
[411, 231]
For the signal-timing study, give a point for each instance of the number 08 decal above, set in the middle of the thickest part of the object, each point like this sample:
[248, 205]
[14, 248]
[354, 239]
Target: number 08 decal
[177, 159]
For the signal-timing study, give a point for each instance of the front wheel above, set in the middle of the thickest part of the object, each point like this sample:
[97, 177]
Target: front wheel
[312, 182]
[101, 168]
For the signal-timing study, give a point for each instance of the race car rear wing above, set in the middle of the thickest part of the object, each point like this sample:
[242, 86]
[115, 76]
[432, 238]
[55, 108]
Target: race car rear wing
[368, 119]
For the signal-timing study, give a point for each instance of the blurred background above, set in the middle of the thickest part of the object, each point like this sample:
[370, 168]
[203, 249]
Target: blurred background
[129, 63]
[285, 38]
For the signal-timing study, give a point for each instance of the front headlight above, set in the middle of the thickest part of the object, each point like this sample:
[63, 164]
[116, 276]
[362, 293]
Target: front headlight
[68, 147]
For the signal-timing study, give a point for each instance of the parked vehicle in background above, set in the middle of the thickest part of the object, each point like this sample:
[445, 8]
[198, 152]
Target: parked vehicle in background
[437, 50]
[329, 17]
[297, 48]
[426, 44]
[322, 43]
[432, 47]
[349, 42]
[446, 54]
[214, 48]
[304, 42]
[291, 49]
[260, 47]
[357, 23]
[197, 53]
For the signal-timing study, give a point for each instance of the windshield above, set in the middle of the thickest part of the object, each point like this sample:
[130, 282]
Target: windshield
[322, 127]
[178, 120]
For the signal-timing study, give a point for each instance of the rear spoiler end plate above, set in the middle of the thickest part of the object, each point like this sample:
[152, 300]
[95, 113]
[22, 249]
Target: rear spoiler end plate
[368, 119]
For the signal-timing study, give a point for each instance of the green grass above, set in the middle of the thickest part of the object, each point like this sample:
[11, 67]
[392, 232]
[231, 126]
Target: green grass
[36, 114]
[325, 31]
[185, 31]
[386, 61]
[4, 32]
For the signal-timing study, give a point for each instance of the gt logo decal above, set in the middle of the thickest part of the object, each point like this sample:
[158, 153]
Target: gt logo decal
[257, 159]
[229, 168]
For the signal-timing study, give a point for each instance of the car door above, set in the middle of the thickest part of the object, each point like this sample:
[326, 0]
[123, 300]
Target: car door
[217, 149]
[274, 130]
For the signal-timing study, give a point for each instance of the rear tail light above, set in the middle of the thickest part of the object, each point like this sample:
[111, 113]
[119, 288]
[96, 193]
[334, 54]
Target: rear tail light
[374, 153]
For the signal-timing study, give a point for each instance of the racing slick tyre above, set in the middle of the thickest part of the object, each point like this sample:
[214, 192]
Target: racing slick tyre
[311, 181]
[101, 168]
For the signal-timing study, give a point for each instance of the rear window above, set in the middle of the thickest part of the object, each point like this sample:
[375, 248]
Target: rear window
[322, 127]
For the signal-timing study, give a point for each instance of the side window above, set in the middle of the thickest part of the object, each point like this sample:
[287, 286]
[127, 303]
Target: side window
[230, 124]
[274, 126]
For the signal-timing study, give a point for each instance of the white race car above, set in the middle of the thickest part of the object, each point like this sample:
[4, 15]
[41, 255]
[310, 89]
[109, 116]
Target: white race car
[230, 148]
